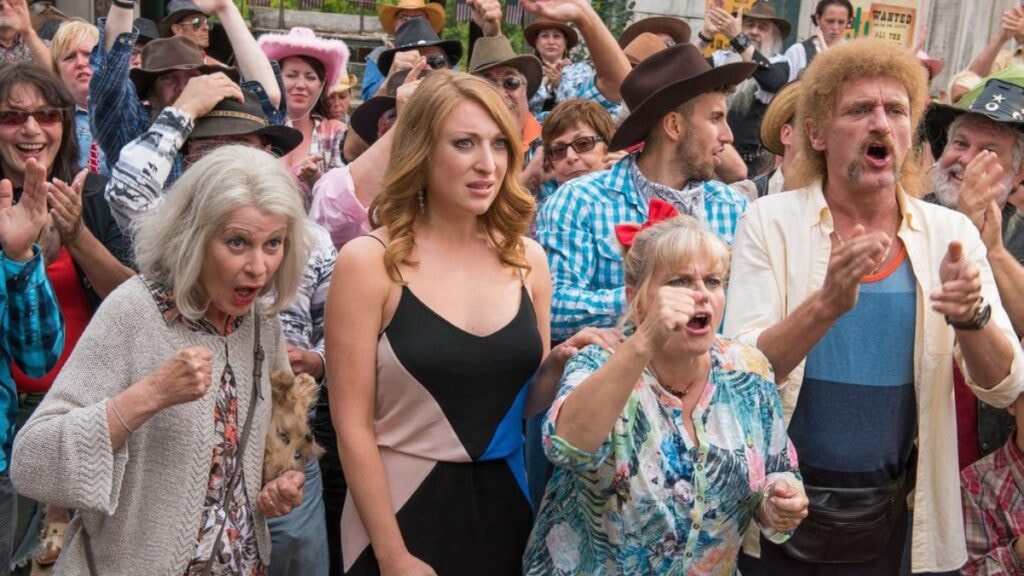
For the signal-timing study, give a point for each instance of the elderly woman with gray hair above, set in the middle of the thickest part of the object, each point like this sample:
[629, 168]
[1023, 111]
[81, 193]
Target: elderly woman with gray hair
[155, 428]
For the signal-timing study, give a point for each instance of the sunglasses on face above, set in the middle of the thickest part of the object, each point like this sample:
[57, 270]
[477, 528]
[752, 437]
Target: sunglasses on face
[437, 61]
[508, 83]
[579, 145]
[19, 117]
[196, 23]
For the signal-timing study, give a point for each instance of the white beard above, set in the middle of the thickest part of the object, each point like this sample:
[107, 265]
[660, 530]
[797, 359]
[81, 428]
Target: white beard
[947, 191]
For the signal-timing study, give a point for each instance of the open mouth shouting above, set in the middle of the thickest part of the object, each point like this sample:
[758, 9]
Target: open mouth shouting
[878, 155]
[700, 323]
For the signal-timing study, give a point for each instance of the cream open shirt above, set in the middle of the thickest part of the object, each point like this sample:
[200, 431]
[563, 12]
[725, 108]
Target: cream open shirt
[780, 257]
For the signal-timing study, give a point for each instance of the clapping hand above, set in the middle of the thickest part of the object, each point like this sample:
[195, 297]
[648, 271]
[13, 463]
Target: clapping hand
[960, 293]
[20, 225]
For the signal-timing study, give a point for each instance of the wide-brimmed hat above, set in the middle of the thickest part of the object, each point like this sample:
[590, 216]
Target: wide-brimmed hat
[233, 118]
[764, 10]
[494, 51]
[534, 28]
[934, 65]
[677, 29]
[642, 47]
[666, 80]
[780, 111]
[416, 34]
[176, 9]
[365, 118]
[299, 41]
[999, 100]
[147, 31]
[433, 10]
[346, 83]
[169, 54]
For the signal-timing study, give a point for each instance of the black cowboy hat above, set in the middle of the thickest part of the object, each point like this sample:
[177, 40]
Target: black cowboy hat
[365, 118]
[999, 101]
[233, 118]
[176, 10]
[417, 33]
[666, 80]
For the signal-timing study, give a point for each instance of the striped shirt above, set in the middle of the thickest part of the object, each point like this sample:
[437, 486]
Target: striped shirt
[576, 227]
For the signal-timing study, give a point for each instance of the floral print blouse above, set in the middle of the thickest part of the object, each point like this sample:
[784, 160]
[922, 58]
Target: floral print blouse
[650, 500]
[238, 553]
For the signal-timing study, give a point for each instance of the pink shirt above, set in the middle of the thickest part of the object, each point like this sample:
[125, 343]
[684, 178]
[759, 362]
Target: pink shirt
[336, 208]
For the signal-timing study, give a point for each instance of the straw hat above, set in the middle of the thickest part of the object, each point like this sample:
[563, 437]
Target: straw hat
[433, 10]
[346, 83]
[780, 111]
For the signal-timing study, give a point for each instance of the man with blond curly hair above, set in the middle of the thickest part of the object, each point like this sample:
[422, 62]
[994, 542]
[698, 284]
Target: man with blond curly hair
[862, 296]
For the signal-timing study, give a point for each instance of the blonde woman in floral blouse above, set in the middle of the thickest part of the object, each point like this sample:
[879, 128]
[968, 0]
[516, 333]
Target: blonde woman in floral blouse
[666, 450]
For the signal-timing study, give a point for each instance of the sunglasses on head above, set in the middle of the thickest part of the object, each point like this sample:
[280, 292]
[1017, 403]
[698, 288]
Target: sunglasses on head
[579, 145]
[19, 117]
[195, 22]
[508, 83]
[437, 61]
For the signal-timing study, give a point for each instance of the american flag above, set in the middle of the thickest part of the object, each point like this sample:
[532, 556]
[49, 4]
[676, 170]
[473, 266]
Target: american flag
[514, 12]
[462, 11]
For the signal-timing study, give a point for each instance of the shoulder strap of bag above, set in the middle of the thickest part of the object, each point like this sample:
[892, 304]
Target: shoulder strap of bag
[243, 440]
[811, 49]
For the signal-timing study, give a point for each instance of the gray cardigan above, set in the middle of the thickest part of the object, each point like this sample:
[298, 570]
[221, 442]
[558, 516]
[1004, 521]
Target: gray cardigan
[141, 504]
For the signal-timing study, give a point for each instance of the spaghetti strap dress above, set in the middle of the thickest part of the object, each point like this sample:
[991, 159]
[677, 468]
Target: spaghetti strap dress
[449, 422]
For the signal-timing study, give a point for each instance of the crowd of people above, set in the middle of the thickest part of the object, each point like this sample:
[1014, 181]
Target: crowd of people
[614, 305]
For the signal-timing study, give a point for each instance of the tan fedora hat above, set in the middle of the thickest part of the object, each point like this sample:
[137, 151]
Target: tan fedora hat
[781, 111]
[642, 47]
[493, 51]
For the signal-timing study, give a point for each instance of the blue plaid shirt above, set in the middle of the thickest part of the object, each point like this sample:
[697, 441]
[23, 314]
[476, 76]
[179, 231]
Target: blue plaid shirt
[116, 114]
[33, 332]
[579, 81]
[576, 227]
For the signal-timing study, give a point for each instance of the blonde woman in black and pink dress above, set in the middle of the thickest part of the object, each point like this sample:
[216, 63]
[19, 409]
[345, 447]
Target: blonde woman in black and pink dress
[438, 321]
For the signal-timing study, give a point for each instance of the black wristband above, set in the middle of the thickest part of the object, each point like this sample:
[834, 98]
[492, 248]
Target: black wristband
[982, 314]
[127, 5]
[704, 38]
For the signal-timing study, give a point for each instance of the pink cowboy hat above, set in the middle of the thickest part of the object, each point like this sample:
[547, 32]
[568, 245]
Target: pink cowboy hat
[299, 41]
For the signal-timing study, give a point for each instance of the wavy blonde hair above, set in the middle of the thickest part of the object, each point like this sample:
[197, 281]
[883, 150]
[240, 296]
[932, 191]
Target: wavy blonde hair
[416, 137]
[673, 243]
[823, 83]
[170, 241]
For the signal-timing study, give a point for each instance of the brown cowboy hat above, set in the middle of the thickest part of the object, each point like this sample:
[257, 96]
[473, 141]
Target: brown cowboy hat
[678, 29]
[233, 118]
[781, 111]
[666, 80]
[642, 47]
[764, 10]
[433, 10]
[538, 24]
[169, 54]
[493, 51]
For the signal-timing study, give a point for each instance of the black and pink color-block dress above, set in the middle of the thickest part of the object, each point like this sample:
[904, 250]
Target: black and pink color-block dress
[449, 411]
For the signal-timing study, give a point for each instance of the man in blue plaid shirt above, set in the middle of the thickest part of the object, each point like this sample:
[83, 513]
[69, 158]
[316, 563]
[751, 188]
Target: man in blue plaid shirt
[30, 321]
[118, 113]
[678, 110]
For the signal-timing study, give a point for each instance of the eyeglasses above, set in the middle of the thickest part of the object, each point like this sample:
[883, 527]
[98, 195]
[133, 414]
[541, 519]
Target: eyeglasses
[437, 61]
[196, 22]
[19, 117]
[579, 145]
[508, 83]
